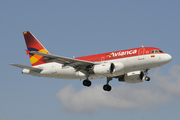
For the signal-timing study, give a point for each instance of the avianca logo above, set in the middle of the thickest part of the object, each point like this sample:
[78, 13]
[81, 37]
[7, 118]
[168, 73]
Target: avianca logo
[109, 54]
[120, 53]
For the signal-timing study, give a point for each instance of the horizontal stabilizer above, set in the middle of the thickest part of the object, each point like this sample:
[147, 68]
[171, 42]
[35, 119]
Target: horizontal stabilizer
[27, 67]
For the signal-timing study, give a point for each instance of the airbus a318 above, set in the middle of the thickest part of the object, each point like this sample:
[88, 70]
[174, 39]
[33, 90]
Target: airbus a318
[130, 66]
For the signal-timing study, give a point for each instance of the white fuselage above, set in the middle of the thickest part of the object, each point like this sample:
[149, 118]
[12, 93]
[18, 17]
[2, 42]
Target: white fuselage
[132, 63]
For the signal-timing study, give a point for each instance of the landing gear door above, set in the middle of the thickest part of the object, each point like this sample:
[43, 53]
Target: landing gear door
[141, 53]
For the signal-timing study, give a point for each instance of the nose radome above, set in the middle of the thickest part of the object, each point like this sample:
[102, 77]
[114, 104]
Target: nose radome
[168, 57]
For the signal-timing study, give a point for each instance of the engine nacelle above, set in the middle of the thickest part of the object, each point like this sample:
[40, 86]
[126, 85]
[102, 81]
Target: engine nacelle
[119, 67]
[108, 68]
[133, 77]
[104, 68]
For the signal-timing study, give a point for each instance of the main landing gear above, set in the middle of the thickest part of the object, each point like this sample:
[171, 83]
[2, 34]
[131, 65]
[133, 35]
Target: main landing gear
[146, 77]
[107, 87]
[87, 83]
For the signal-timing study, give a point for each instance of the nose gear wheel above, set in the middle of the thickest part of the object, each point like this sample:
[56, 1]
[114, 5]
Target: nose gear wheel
[146, 77]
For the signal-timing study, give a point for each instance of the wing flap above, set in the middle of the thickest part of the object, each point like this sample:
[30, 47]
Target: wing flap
[27, 67]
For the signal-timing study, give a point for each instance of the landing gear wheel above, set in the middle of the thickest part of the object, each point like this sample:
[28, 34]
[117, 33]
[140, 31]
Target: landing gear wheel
[107, 87]
[147, 78]
[87, 83]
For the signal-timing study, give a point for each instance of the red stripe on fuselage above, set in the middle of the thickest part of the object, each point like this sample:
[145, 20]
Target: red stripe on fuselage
[118, 54]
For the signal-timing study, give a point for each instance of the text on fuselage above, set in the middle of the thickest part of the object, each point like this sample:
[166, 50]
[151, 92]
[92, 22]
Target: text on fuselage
[121, 53]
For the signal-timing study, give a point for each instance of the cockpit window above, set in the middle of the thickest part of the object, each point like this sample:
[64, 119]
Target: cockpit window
[157, 51]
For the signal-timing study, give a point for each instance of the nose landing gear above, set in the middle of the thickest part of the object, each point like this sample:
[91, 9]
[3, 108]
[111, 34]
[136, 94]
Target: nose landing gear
[146, 77]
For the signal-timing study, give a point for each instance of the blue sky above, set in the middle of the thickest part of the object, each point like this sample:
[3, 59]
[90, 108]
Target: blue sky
[78, 28]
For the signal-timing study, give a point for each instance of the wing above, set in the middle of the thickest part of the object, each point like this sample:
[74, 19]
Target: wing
[27, 67]
[79, 65]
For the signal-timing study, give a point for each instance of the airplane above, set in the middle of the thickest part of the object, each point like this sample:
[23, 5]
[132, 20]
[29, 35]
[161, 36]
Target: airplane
[130, 66]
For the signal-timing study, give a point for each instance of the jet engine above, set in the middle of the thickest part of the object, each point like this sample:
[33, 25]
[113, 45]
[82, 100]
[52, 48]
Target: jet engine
[108, 68]
[133, 77]
[104, 68]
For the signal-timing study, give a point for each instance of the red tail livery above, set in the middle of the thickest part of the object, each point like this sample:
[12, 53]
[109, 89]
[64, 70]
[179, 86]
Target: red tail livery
[34, 45]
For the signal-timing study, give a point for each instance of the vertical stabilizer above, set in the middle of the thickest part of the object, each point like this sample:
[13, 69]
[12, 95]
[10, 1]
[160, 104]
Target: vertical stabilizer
[34, 45]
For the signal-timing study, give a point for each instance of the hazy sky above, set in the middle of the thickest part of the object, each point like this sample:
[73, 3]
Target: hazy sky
[77, 28]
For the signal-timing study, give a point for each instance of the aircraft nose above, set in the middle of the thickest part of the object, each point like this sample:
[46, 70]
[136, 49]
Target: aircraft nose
[168, 57]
